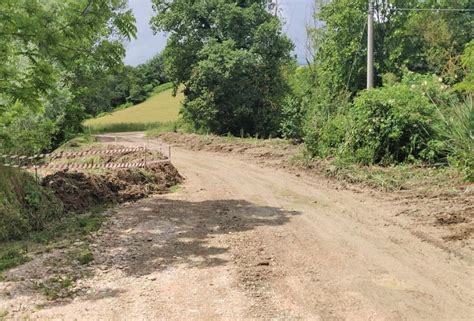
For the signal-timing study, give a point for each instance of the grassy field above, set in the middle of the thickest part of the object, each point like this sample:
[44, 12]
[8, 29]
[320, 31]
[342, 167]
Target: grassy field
[159, 109]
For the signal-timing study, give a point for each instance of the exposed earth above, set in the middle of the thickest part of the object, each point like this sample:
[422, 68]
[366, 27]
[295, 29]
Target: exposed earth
[242, 240]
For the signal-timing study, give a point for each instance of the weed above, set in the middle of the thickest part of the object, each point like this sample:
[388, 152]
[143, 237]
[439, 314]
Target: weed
[11, 257]
[85, 256]
[56, 287]
[456, 130]
[57, 234]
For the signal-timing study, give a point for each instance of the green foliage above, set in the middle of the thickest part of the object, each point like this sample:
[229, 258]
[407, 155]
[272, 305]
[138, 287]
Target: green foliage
[161, 88]
[230, 62]
[12, 256]
[390, 124]
[415, 116]
[85, 256]
[24, 205]
[295, 104]
[23, 130]
[467, 61]
[327, 138]
[56, 287]
[56, 58]
[133, 127]
[422, 41]
[416, 119]
[34, 53]
[145, 78]
[455, 129]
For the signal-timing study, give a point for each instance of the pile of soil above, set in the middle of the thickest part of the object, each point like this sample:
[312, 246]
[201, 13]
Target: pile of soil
[273, 151]
[80, 191]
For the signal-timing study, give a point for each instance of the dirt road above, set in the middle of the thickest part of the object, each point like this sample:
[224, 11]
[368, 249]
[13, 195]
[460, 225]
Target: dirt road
[239, 241]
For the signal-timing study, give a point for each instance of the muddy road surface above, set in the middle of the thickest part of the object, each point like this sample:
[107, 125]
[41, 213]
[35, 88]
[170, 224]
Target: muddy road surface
[240, 241]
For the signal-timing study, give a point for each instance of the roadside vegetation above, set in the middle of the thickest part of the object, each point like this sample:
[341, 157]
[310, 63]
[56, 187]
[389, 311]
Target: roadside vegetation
[419, 116]
[33, 220]
[40, 214]
[231, 73]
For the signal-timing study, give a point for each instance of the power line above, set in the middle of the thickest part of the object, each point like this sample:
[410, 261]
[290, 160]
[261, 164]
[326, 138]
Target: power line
[434, 9]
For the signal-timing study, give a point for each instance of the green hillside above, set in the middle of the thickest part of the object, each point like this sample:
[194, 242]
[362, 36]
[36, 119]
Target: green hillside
[160, 108]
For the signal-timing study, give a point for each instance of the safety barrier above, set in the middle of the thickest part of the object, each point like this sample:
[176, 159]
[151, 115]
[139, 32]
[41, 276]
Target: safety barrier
[9, 160]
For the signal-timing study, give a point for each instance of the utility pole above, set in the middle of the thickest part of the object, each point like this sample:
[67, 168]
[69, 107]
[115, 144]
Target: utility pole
[370, 46]
[275, 8]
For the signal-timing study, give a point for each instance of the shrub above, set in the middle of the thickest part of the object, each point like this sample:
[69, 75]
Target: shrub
[327, 138]
[291, 126]
[389, 125]
[295, 104]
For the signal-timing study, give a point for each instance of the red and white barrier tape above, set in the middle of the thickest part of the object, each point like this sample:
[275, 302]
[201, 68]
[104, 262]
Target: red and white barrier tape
[58, 155]
[90, 166]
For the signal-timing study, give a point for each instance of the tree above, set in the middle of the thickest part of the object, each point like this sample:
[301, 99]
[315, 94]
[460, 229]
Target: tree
[42, 42]
[229, 55]
[421, 41]
[53, 52]
[146, 77]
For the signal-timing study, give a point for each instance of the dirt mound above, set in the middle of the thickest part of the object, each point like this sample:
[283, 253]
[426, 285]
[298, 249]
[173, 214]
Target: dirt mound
[272, 151]
[80, 191]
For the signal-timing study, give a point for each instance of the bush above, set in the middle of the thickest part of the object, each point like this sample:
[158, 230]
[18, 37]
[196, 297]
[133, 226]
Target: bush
[327, 139]
[390, 125]
[291, 126]
[295, 104]
[326, 125]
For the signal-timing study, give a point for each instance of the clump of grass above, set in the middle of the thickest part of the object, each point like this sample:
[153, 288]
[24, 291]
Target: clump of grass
[57, 234]
[456, 131]
[13, 256]
[69, 229]
[56, 287]
[386, 178]
[85, 256]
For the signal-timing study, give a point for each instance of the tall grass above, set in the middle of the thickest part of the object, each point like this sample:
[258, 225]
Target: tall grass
[456, 131]
[24, 205]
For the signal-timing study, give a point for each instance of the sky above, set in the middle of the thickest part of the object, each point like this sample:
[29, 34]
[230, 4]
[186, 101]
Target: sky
[297, 14]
